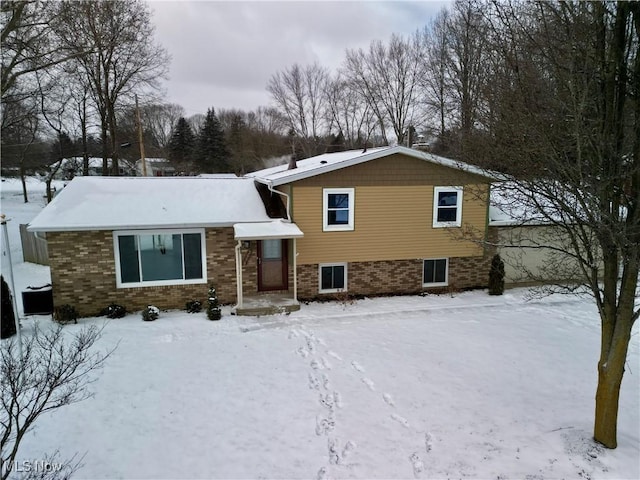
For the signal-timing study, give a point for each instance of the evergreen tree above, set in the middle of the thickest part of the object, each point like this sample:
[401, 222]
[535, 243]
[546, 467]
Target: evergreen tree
[181, 144]
[212, 155]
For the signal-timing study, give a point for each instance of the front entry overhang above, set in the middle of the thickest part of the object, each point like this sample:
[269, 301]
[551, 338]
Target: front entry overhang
[266, 230]
[273, 230]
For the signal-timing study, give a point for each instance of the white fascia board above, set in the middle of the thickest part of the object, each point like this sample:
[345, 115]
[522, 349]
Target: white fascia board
[86, 228]
[330, 167]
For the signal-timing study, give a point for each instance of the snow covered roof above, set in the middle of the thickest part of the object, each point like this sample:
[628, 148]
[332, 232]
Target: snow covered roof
[109, 203]
[274, 229]
[514, 204]
[329, 162]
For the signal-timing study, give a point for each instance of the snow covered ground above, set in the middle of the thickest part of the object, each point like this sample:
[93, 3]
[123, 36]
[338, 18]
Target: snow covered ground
[468, 386]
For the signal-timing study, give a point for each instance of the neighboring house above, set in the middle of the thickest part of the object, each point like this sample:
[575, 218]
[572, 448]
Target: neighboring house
[73, 167]
[532, 247]
[155, 167]
[388, 220]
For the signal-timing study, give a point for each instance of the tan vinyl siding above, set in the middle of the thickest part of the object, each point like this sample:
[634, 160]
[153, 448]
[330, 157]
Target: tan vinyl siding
[395, 169]
[392, 222]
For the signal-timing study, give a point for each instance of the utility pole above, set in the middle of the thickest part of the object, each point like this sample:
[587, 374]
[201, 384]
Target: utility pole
[140, 140]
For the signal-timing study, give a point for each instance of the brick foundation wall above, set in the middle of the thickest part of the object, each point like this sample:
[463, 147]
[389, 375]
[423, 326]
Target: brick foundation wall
[396, 277]
[83, 273]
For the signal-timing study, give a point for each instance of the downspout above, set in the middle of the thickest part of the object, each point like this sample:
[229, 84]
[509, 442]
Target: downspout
[295, 271]
[239, 274]
[285, 195]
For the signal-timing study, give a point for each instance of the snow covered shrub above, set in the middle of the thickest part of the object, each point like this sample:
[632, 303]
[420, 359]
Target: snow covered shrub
[213, 310]
[150, 313]
[496, 276]
[114, 311]
[194, 306]
[65, 314]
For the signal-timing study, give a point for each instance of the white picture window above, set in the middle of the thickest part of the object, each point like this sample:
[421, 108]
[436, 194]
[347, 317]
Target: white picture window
[447, 206]
[435, 272]
[333, 277]
[338, 209]
[160, 257]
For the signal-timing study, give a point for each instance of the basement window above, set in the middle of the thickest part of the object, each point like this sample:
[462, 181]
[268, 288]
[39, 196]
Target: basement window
[333, 278]
[435, 272]
[161, 257]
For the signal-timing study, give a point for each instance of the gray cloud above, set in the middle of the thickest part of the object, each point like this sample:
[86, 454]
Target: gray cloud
[223, 53]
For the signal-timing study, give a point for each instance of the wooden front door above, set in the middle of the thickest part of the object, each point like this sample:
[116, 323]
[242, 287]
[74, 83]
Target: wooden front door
[272, 265]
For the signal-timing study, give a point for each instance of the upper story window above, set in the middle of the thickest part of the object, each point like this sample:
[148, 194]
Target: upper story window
[447, 206]
[161, 257]
[337, 210]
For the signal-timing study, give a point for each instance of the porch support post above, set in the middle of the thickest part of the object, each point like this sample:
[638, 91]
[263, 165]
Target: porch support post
[295, 271]
[239, 273]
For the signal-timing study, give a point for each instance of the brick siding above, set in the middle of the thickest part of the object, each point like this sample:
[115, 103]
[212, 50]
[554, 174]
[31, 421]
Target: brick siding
[396, 277]
[83, 273]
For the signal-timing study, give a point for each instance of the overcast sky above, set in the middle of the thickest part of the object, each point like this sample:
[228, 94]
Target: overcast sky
[223, 53]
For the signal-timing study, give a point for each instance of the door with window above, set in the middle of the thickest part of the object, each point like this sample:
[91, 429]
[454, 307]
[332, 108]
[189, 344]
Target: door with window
[272, 265]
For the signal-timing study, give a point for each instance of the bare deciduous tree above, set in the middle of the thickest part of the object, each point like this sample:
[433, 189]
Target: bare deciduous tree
[55, 370]
[565, 120]
[348, 113]
[387, 78]
[29, 42]
[436, 79]
[299, 93]
[123, 59]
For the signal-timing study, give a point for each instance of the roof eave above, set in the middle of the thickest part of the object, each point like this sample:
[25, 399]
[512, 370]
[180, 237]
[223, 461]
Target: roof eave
[461, 166]
[93, 228]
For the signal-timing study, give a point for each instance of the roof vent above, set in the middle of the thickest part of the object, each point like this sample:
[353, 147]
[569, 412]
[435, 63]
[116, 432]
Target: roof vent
[323, 161]
[292, 163]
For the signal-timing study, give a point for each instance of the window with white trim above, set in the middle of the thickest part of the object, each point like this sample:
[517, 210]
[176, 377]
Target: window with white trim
[447, 206]
[435, 272]
[333, 277]
[160, 257]
[338, 209]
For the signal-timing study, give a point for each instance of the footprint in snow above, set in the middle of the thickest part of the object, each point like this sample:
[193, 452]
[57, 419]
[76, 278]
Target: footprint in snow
[369, 383]
[357, 366]
[293, 333]
[311, 345]
[388, 399]
[332, 444]
[316, 365]
[417, 464]
[325, 382]
[302, 352]
[327, 401]
[325, 425]
[348, 448]
[325, 363]
[401, 420]
[322, 474]
[428, 442]
[334, 355]
[314, 384]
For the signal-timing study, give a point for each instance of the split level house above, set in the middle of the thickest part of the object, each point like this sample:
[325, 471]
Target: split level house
[388, 220]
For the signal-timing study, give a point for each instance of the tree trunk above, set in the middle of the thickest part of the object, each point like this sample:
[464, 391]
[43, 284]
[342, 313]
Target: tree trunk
[610, 375]
[24, 183]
